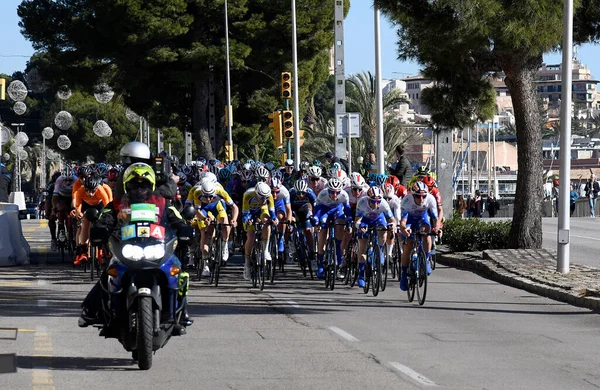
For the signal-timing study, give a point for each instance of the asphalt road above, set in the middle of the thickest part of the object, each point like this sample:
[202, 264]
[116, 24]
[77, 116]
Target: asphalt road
[585, 239]
[472, 333]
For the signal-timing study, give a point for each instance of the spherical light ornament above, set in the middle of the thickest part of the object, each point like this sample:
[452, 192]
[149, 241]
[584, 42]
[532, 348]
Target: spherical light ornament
[103, 93]
[17, 91]
[63, 142]
[102, 129]
[48, 132]
[23, 154]
[19, 108]
[63, 93]
[132, 116]
[6, 157]
[4, 135]
[63, 120]
[14, 148]
[21, 139]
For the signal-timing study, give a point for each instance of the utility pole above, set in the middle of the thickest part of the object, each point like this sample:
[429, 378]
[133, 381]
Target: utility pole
[228, 111]
[340, 76]
[296, 98]
[378, 94]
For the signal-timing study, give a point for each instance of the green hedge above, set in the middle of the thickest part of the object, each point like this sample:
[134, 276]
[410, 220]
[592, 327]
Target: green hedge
[475, 234]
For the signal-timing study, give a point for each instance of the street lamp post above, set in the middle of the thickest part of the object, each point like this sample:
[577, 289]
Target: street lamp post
[565, 138]
[228, 81]
[379, 97]
[295, 78]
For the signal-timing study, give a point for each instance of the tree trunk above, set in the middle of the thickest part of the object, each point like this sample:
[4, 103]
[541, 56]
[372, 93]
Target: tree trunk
[526, 229]
[200, 118]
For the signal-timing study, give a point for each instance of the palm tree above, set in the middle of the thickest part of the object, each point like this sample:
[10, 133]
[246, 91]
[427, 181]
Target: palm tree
[319, 138]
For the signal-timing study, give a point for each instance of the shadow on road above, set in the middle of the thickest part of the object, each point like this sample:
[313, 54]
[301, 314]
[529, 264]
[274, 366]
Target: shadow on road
[76, 363]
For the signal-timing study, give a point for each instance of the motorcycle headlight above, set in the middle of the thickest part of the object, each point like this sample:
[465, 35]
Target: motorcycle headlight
[132, 252]
[154, 252]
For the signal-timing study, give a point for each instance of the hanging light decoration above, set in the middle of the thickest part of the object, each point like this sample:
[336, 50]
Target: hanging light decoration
[47, 133]
[132, 116]
[19, 108]
[63, 142]
[23, 154]
[63, 120]
[21, 139]
[17, 91]
[102, 129]
[103, 93]
[63, 93]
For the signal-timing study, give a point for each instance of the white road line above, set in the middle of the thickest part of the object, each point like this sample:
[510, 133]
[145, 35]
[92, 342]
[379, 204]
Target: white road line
[573, 235]
[42, 282]
[413, 374]
[42, 303]
[293, 304]
[344, 334]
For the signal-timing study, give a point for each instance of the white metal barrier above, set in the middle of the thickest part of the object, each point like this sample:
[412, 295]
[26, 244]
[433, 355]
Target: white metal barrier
[14, 249]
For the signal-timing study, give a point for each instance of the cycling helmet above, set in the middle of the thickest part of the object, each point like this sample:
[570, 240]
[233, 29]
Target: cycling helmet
[335, 184]
[270, 166]
[213, 169]
[422, 171]
[336, 165]
[276, 173]
[315, 171]
[101, 170]
[276, 183]
[135, 150]
[317, 162]
[262, 190]
[419, 188]
[380, 179]
[261, 173]
[84, 171]
[304, 165]
[246, 176]
[357, 180]
[224, 175]
[92, 182]
[388, 190]
[555, 182]
[182, 177]
[113, 174]
[375, 193]
[289, 162]
[247, 167]
[139, 172]
[332, 172]
[429, 181]
[208, 176]
[187, 169]
[393, 180]
[301, 186]
[208, 188]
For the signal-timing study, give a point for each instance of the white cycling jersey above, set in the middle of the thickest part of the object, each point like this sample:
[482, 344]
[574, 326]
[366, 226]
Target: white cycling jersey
[353, 198]
[284, 195]
[60, 188]
[317, 186]
[396, 206]
[363, 210]
[323, 199]
[412, 210]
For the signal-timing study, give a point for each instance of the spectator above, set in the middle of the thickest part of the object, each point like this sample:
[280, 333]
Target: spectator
[402, 169]
[591, 192]
[476, 205]
[333, 159]
[492, 205]
[573, 195]
[461, 206]
[555, 192]
[5, 181]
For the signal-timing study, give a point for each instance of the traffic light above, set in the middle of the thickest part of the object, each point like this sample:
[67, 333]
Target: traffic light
[2, 89]
[228, 152]
[276, 126]
[286, 85]
[288, 124]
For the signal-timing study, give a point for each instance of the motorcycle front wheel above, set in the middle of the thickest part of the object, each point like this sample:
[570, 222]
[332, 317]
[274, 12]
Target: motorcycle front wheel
[144, 333]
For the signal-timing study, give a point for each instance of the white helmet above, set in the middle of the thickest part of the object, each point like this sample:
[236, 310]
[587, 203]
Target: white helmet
[262, 190]
[335, 184]
[332, 172]
[301, 186]
[208, 176]
[314, 171]
[135, 149]
[276, 182]
[208, 188]
[261, 173]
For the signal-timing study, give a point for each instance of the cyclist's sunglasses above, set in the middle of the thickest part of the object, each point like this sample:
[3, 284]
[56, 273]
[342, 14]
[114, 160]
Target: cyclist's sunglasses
[314, 179]
[334, 192]
[356, 189]
[209, 197]
[375, 201]
[419, 196]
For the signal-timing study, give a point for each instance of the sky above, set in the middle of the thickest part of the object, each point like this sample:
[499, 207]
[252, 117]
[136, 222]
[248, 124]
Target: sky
[359, 44]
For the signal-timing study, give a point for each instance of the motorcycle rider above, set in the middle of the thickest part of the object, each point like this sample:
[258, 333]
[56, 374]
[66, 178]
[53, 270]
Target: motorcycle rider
[139, 183]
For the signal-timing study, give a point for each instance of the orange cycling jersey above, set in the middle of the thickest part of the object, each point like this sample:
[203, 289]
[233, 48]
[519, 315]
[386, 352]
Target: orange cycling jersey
[76, 186]
[101, 195]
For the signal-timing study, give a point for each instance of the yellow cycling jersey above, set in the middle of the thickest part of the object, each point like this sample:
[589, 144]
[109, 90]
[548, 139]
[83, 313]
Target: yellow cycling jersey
[195, 195]
[252, 202]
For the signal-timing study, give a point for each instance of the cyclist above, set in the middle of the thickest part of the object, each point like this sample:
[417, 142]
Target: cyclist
[288, 172]
[396, 206]
[372, 211]
[62, 199]
[399, 189]
[258, 203]
[112, 177]
[283, 210]
[91, 194]
[316, 182]
[331, 204]
[302, 201]
[417, 208]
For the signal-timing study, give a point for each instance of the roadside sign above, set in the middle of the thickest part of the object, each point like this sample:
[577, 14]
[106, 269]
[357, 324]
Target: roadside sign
[349, 120]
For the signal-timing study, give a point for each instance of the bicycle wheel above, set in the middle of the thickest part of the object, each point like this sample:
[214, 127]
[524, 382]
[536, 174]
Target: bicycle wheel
[433, 254]
[376, 269]
[272, 266]
[353, 262]
[394, 261]
[384, 272]
[93, 261]
[300, 253]
[254, 267]
[421, 281]
[262, 270]
[216, 272]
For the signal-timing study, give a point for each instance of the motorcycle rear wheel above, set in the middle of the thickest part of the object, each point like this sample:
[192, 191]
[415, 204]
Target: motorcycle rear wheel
[144, 333]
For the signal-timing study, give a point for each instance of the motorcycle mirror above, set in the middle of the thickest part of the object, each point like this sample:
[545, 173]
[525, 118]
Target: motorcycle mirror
[188, 212]
[92, 214]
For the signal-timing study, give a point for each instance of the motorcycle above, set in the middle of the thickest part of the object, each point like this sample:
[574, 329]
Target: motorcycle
[143, 291]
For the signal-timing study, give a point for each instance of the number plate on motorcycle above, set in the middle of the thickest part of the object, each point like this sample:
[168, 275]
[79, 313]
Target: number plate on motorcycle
[144, 291]
[143, 212]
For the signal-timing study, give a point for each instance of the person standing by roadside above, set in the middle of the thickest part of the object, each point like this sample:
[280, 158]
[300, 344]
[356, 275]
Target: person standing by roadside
[592, 188]
[492, 205]
[461, 206]
[573, 196]
[402, 170]
[5, 181]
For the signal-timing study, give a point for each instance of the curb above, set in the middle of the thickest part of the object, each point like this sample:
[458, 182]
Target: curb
[474, 261]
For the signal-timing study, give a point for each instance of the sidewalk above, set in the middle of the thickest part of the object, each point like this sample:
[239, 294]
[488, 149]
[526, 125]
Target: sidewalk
[533, 270]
